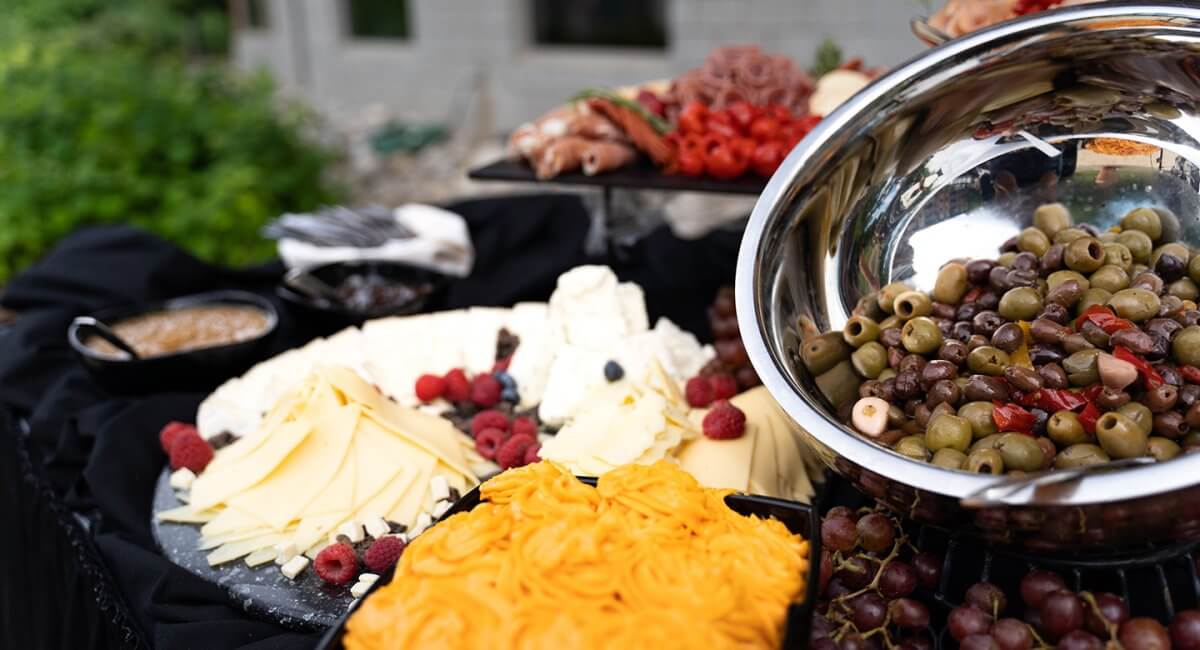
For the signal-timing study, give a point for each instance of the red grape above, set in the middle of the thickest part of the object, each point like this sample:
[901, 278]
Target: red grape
[978, 642]
[857, 572]
[929, 569]
[826, 569]
[731, 352]
[967, 620]
[824, 644]
[915, 642]
[838, 534]
[820, 628]
[1062, 612]
[1185, 630]
[836, 589]
[1144, 634]
[1036, 585]
[724, 329]
[842, 511]
[1011, 634]
[876, 532]
[724, 304]
[1080, 640]
[1112, 609]
[909, 613]
[859, 642]
[869, 611]
[987, 597]
[898, 579]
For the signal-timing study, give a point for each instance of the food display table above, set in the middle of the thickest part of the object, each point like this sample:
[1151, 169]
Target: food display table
[78, 466]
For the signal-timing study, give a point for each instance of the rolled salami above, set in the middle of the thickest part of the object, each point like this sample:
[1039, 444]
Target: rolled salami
[564, 154]
[600, 157]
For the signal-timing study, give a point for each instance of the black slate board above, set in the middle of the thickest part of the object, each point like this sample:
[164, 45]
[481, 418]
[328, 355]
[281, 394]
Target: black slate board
[641, 175]
[306, 603]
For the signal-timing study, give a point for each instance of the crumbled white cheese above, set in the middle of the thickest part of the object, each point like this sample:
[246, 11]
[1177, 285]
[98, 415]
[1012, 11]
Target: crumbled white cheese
[294, 566]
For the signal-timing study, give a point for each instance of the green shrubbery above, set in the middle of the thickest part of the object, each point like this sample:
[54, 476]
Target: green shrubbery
[110, 113]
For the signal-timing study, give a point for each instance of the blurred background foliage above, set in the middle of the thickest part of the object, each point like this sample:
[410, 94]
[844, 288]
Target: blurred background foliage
[123, 111]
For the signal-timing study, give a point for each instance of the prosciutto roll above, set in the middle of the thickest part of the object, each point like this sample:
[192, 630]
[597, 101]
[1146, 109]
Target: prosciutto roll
[600, 157]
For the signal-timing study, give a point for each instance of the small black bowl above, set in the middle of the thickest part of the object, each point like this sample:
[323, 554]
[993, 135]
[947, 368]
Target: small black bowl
[339, 314]
[198, 369]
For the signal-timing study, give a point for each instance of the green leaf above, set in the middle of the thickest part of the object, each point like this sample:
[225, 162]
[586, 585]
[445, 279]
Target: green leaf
[829, 57]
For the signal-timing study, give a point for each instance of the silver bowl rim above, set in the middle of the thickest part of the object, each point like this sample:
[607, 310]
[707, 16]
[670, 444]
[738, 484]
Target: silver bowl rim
[808, 413]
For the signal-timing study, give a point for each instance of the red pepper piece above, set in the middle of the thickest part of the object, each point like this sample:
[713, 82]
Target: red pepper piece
[1190, 373]
[1150, 376]
[1104, 318]
[1058, 399]
[1011, 417]
[972, 295]
[1088, 417]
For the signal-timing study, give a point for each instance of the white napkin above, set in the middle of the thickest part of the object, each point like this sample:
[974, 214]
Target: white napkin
[441, 242]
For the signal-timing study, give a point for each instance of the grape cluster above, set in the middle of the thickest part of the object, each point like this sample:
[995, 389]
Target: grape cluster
[731, 353]
[869, 573]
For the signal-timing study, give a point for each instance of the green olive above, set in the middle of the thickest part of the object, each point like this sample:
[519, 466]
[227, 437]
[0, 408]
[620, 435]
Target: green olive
[1051, 218]
[1138, 243]
[1145, 220]
[1079, 456]
[1110, 277]
[1065, 429]
[1022, 303]
[860, 330]
[948, 431]
[1118, 255]
[1194, 269]
[1006, 259]
[820, 353]
[979, 416]
[1162, 448]
[913, 447]
[887, 374]
[921, 335]
[1085, 254]
[911, 304]
[1184, 289]
[951, 284]
[1093, 296]
[988, 360]
[870, 359]
[986, 442]
[1119, 436]
[1068, 235]
[985, 461]
[1082, 367]
[1059, 277]
[891, 321]
[949, 458]
[1137, 268]
[1174, 249]
[1191, 440]
[1185, 348]
[839, 384]
[1020, 452]
[887, 295]
[1033, 241]
[1107, 237]
[1135, 304]
[1140, 414]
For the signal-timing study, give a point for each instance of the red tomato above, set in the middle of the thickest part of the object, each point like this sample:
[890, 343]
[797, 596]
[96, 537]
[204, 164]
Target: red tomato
[765, 128]
[778, 112]
[723, 161]
[767, 157]
[721, 123]
[743, 114]
[690, 162]
[744, 146]
[692, 118]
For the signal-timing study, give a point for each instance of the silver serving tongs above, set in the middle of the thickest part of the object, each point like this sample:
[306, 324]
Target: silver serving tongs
[927, 33]
[310, 285]
[996, 493]
[102, 330]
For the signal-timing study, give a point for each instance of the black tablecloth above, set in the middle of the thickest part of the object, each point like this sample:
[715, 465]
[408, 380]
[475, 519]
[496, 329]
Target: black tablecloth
[80, 568]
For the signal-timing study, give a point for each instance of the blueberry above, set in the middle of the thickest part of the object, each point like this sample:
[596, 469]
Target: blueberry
[510, 395]
[613, 371]
[506, 380]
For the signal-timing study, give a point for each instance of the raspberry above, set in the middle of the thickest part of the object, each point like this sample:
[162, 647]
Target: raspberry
[490, 419]
[337, 564]
[383, 553]
[171, 432]
[488, 442]
[531, 453]
[723, 385]
[191, 451]
[699, 392]
[458, 387]
[430, 387]
[724, 422]
[512, 452]
[526, 425]
[485, 391]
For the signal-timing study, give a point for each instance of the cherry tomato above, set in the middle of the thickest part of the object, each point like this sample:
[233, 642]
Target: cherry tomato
[767, 157]
[690, 162]
[765, 128]
[721, 123]
[723, 161]
[743, 146]
[778, 112]
[692, 118]
[743, 114]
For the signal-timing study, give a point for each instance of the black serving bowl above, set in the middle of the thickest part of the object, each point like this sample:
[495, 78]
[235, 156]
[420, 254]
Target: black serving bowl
[198, 369]
[339, 314]
[799, 518]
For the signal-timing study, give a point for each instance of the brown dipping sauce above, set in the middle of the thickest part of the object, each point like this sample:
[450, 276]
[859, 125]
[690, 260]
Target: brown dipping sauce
[188, 328]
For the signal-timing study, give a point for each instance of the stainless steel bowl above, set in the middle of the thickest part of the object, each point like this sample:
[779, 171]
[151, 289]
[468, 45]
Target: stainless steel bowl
[946, 157]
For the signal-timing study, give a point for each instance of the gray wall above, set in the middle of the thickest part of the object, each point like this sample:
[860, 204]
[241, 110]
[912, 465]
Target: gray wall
[307, 48]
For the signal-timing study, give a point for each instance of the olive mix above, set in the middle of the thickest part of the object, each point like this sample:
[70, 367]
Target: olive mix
[1074, 347]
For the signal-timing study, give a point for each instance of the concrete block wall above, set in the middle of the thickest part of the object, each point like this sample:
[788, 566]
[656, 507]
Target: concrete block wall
[454, 42]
